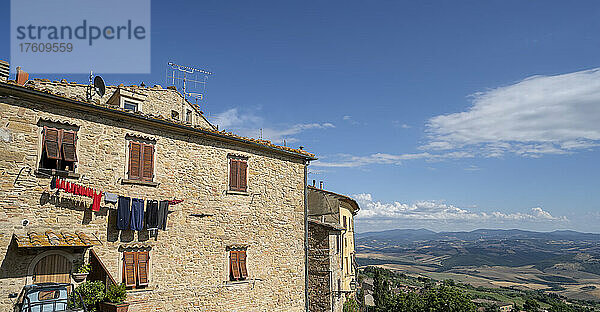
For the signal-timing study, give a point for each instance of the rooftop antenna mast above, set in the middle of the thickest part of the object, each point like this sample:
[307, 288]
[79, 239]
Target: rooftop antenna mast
[189, 79]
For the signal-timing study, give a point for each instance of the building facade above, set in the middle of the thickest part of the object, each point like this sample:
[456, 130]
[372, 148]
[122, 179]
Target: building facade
[233, 231]
[336, 211]
[324, 267]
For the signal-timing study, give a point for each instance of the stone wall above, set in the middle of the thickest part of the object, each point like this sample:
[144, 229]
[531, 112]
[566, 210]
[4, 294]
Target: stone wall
[188, 262]
[324, 269]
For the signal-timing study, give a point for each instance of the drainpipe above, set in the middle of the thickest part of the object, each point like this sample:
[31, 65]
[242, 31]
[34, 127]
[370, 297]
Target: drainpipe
[306, 235]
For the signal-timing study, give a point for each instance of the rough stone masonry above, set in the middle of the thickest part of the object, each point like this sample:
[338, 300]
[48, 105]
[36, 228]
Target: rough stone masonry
[189, 262]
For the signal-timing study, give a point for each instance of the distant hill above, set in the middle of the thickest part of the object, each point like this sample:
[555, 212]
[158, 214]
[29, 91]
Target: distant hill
[567, 262]
[411, 235]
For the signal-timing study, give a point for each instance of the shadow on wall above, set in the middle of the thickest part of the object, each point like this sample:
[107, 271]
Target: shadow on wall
[73, 204]
[124, 236]
[15, 262]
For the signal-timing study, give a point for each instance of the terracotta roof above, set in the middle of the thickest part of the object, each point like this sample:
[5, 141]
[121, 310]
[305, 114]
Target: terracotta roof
[56, 239]
[158, 118]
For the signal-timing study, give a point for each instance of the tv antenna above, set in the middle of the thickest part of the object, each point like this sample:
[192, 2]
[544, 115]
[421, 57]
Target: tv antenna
[97, 85]
[191, 80]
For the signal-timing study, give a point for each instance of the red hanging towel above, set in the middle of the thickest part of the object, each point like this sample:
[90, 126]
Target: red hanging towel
[96, 202]
[76, 191]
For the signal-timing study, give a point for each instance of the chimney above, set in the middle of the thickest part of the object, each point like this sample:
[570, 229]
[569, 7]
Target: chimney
[22, 76]
[314, 182]
[4, 69]
[321, 184]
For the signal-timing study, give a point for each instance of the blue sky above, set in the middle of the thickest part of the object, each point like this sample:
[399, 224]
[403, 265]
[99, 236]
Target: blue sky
[449, 115]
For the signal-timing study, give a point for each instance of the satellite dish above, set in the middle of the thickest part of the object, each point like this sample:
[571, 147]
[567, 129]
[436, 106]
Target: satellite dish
[99, 86]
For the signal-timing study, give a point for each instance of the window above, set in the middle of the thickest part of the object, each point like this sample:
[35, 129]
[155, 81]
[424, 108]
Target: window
[175, 114]
[130, 106]
[347, 267]
[237, 175]
[345, 223]
[237, 265]
[188, 116]
[135, 268]
[141, 161]
[59, 149]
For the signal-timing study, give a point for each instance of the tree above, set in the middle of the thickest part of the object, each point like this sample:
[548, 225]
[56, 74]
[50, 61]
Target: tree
[351, 305]
[381, 292]
[447, 299]
[408, 302]
[531, 305]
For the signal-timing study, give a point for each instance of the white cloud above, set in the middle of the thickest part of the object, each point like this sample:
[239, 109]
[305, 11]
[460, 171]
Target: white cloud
[436, 211]
[536, 116]
[347, 160]
[248, 124]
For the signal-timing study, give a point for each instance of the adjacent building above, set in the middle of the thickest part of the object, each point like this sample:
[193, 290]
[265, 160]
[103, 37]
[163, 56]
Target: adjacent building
[230, 230]
[332, 267]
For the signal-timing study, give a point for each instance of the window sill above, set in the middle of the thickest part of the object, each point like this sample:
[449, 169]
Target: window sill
[140, 290]
[237, 193]
[46, 173]
[242, 282]
[139, 182]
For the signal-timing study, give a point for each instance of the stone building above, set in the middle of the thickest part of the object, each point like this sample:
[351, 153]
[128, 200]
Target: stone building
[331, 233]
[324, 266]
[234, 208]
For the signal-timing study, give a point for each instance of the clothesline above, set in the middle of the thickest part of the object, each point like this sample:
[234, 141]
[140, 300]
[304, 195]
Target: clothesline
[130, 211]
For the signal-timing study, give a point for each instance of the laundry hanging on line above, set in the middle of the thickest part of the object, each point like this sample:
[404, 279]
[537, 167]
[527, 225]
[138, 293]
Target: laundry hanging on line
[80, 190]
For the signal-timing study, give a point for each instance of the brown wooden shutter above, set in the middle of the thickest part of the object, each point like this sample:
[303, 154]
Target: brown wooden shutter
[233, 175]
[234, 265]
[243, 168]
[242, 262]
[142, 268]
[68, 145]
[52, 143]
[148, 162]
[129, 268]
[135, 156]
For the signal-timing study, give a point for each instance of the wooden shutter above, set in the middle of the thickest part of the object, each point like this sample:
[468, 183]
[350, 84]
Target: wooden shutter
[142, 268]
[129, 268]
[243, 168]
[242, 262]
[234, 265]
[68, 145]
[52, 143]
[135, 156]
[148, 162]
[233, 175]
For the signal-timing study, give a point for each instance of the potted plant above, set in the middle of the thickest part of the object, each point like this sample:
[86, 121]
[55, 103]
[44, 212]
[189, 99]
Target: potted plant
[91, 292]
[114, 300]
[82, 272]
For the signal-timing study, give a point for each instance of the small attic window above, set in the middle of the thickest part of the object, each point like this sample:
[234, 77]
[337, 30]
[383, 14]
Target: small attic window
[188, 116]
[175, 115]
[130, 106]
[127, 100]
